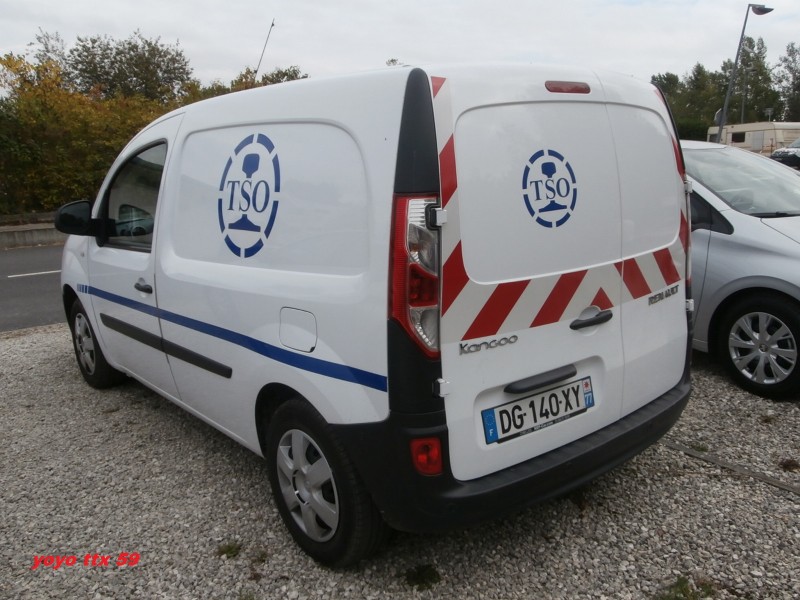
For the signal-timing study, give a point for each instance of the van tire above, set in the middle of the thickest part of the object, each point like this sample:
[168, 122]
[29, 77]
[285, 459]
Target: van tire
[352, 528]
[763, 362]
[91, 361]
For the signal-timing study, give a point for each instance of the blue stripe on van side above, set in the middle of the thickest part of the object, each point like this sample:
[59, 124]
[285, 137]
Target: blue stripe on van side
[306, 363]
[134, 304]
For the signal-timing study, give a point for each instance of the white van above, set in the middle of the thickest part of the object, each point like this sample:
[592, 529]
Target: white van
[426, 297]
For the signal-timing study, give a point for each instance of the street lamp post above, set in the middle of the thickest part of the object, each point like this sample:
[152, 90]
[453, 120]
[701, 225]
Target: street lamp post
[758, 9]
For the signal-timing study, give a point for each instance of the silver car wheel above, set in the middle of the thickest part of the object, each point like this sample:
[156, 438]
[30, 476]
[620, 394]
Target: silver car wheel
[762, 348]
[84, 343]
[307, 485]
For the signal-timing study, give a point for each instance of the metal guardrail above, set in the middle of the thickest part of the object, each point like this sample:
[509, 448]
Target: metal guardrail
[32, 234]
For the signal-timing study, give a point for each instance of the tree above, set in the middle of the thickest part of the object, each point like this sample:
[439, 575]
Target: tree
[752, 92]
[703, 94]
[690, 127]
[279, 75]
[247, 78]
[57, 144]
[51, 49]
[136, 66]
[669, 84]
[759, 90]
[243, 81]
[65, 114]
[788, 82]
[195, 91]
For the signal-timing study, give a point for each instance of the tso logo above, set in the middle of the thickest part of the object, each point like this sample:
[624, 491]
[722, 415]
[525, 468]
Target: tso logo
[248, 193]
[549, 188]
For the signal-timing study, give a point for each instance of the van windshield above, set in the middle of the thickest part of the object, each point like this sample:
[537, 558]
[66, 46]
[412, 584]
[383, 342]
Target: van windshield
[749, 183]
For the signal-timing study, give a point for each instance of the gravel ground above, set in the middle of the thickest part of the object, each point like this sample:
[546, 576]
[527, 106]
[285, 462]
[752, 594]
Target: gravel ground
[124, 471]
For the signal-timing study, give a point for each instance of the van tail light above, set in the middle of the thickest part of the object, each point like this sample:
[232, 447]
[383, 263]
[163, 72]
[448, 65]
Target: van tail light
[415, 272]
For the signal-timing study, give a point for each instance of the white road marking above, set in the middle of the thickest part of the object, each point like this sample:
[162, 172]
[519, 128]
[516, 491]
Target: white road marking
[33, 274]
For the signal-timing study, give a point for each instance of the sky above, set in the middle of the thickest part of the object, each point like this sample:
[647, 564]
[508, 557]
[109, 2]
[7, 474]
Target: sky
[327, 37]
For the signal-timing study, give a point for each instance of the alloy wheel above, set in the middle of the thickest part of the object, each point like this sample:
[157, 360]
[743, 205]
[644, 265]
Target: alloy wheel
[307, 485]
[762, 348]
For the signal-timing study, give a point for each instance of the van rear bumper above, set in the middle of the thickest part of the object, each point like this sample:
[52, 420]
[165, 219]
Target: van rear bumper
[413, 502]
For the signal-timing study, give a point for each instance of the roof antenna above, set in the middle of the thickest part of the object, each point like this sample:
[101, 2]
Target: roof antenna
[255, 76]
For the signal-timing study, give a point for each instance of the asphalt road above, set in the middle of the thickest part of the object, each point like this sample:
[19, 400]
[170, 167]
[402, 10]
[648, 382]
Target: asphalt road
[29, 287]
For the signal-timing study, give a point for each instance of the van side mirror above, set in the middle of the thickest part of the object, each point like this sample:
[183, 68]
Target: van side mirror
[75, 218]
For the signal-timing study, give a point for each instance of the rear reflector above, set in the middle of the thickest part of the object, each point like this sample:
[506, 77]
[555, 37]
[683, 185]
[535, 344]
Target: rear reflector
[567, 87]
[426, 454]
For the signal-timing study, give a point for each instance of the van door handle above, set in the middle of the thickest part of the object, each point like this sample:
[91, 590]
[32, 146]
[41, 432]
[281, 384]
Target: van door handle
[541, 380]
[599, 318]
[143, 286]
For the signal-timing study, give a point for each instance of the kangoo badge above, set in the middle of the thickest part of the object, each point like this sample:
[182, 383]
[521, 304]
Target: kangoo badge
[248, 195]
[549, 188]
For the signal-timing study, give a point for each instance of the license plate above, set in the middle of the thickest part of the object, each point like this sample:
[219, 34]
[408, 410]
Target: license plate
[537, 411]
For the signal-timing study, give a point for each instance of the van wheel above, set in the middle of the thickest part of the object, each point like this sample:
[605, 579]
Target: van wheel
[94, 368]
[758, 345]
[319, 495]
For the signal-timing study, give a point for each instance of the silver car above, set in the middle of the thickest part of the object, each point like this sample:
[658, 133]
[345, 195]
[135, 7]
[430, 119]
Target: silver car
[790, 155]
[746, 265]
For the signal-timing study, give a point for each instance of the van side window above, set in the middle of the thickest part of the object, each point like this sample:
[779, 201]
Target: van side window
[131, 199]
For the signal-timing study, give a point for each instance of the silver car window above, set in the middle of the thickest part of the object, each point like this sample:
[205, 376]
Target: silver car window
[745, 181]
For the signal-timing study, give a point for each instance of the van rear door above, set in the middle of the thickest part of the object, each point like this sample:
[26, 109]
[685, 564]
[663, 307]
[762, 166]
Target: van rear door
[563, 259]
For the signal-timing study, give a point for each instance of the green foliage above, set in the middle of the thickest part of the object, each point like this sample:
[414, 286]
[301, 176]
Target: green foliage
[422, 577]
[283, 75]
[699, 94]
[753, 88]
[229, 549]
[685, 589]
[247, 78]
[692, 129]
[136, 66]
[243, 81]
[788, 82]
[56, 144]
[67, 113]
[668, 83]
